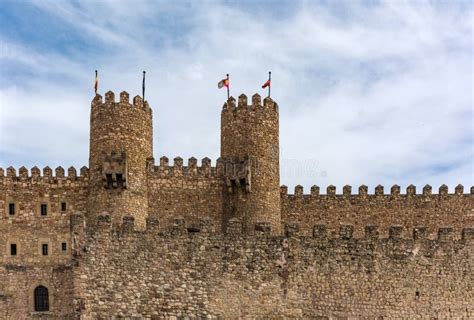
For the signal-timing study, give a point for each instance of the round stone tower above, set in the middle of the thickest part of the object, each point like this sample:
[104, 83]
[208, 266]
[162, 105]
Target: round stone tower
[250, 156]
[121, 142]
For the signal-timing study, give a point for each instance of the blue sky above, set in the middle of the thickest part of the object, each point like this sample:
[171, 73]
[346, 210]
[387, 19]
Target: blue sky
[369, 92]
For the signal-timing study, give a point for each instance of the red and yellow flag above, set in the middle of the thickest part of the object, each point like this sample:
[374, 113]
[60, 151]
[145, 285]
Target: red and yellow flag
[223, 83]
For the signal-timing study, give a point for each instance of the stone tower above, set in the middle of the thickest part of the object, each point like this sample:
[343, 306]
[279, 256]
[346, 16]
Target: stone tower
[121, 142]
[250, 156]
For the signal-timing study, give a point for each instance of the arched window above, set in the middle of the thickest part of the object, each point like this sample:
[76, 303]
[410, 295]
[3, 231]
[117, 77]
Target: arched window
[41, 299]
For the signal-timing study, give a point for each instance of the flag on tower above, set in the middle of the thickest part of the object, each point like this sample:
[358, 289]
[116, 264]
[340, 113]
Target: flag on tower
[268, 83]
[223, 83]
[96, 84]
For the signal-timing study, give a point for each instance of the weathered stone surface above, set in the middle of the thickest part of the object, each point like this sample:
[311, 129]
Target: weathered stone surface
[130, 239]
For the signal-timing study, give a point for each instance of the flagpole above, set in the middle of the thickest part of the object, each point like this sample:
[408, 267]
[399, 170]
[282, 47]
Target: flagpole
[96, 84]
[269, 79]
[228, 85]
[143, 86]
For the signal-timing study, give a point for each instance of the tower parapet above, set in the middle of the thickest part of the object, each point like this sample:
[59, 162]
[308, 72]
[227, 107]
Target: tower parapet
[120, 144]
[250, 152]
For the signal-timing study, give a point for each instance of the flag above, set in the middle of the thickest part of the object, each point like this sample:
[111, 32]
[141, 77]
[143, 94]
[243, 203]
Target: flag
[223, 83]
[96, 84]
[266, 84]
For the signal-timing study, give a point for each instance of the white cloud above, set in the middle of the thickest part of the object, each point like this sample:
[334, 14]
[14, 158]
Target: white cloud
[380, 94]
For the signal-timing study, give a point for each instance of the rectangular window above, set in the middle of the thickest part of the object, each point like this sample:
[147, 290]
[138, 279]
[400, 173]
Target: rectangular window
[13, 249]
[11, 209]
[64, 246]
[63, 206]
[44, 209]
[45, 249]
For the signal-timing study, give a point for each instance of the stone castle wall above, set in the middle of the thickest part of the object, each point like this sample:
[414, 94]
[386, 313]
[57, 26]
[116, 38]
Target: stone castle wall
[251, 132]
[224, 241]
[187, 265]
[118, 127]
[29, 230]
[18, 282]
[192, 192]
[179, 273]
[409, 209]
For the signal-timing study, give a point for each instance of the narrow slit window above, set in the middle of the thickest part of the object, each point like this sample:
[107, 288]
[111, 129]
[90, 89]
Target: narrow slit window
[44, 209]
[44, 249]
[63, 206]
[64, 246]
[13, 249]
[11, 209]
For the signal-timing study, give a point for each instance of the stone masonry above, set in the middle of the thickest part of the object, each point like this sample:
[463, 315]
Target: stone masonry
[134, 239]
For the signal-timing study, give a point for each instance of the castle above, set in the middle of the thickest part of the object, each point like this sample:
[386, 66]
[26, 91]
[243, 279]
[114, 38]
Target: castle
[131, 238]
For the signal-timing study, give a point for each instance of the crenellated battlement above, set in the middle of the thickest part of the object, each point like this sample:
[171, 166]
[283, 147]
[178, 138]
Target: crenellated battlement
[192, 169]
[409, 209]
[124, 101]
[397, 235]
[35, 175]
[233, 168]
[378, 192]
[242, 105]
[397, 232]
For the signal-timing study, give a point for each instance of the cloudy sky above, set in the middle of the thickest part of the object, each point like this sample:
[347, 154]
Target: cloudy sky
[369, 92]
